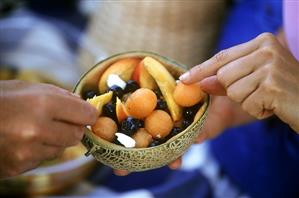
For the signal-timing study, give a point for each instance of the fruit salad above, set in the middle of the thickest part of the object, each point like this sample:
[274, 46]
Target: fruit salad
[141, 104]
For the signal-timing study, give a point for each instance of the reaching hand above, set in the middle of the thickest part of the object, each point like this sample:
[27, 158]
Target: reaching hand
[37, 121]
[261, 75]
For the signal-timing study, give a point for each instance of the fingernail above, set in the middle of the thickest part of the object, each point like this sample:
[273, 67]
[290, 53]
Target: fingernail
[184, 76]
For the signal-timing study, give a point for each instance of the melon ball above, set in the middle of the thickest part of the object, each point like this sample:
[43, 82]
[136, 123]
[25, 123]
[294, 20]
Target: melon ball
[105, 128]
[142, 138]
[141, 103]
[187, 95]
[158, 124]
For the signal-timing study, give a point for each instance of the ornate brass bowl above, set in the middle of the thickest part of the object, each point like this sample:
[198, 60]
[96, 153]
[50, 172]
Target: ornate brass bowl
[139, 159]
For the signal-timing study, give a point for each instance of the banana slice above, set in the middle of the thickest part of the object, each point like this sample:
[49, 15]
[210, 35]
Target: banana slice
[166, 83]
[99, 101]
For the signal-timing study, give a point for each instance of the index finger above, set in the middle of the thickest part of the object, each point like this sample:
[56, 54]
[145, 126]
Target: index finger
[73, 110]
[211, 66]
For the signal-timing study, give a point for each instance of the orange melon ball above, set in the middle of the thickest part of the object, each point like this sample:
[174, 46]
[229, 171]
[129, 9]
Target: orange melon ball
[141, 103]
[187, 95]
[105, 128]
[158, 124]
[142, 138]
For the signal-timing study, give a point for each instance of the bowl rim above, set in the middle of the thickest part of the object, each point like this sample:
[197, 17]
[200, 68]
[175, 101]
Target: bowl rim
[97, 141]
[177, 64]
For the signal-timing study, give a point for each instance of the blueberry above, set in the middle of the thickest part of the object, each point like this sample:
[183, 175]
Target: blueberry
[190, 112]
[186, 123]
[161, 104]
[89, 94]
[174, 131]
[129, 126]
[131, 86]
[117, 92]
[109, 110]
[154, 143]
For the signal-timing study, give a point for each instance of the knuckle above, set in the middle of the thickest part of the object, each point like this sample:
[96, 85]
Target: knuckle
[247, 107]
[269, 86]
[267, 52]
[30, 133]
[267, 69]
[221, 76]
[267, 37]
[232, 94]
[220, 56]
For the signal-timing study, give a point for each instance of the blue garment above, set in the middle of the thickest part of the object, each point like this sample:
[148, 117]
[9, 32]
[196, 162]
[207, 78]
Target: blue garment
[261, 158]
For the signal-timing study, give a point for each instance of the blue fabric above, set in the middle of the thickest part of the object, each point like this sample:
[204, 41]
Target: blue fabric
[161, 182]
[262, 158]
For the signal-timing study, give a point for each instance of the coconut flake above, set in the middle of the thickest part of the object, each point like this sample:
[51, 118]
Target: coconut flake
[125, 140]
[114, 79]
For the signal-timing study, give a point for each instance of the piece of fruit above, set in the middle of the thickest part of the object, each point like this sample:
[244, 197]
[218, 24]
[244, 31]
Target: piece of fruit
[174, 132]
[117, 92]
[189, 112]
[154, 143]
[114, 79]
[125, 140]
[158, 124]
[141, 103]
[109, 110]
[89, 94]
[99, 101]
[142, 138]
[144, 79]
[123, 68]
[166, 83]
[161, 104]
[129, 126]
[121, 112]
[188, 95]
[186, 123]
[105, 128]
[131, 86]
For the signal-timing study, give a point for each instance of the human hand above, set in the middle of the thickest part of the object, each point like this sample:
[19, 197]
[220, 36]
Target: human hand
[223, 113]
[37, 121]
[261, 75]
